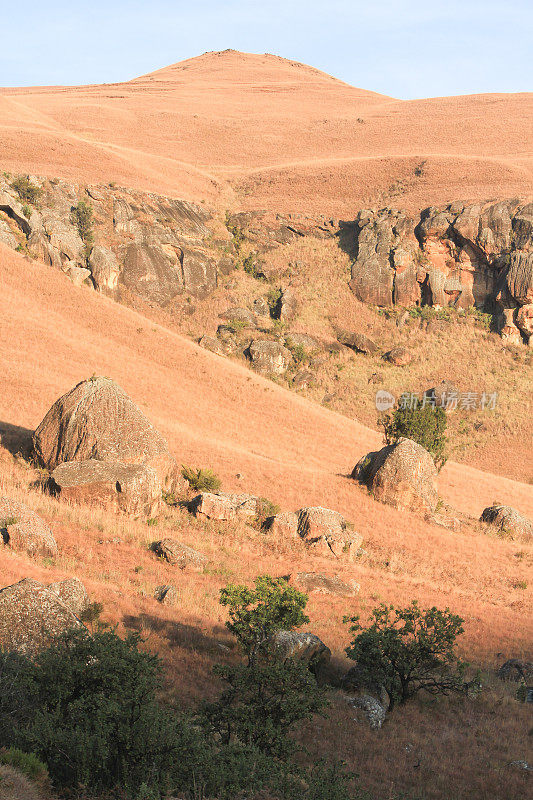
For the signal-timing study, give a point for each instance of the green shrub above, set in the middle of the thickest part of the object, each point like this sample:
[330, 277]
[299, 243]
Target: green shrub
[424, 424]
[82, 217]
[407, 650]
[27, 763]
[201, 480]
[25, 189]
[26, 210]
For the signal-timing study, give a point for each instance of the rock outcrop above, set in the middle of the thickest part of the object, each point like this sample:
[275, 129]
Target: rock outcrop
[225, 507]
[508, 522]
[32, 615]
[24, 530]
[145, 245]
[454, 255]
[269, 357]
[402, 475]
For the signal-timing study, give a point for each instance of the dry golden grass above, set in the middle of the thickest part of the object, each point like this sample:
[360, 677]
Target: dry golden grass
[218, 414]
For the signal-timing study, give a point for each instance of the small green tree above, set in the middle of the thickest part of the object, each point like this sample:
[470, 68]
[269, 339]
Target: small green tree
[423, 423]
[265, 696]
[256, 614]
[407, 650]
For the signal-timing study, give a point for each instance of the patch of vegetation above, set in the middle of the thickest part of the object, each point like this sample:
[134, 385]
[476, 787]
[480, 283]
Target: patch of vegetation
[265, 509]
[26, 763]
[26, 190]
[82, 217]
[273, 299]
[421, 422]
[299, 354]
[408, 650]
[201, 480]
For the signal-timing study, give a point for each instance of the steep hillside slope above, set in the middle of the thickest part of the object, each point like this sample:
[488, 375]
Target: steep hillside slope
[258, 131]
[262, 438]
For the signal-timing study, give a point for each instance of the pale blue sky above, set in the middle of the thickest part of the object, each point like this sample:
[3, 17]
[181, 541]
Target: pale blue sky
[407, 48]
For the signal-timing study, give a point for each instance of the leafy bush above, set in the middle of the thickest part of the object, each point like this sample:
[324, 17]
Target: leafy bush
[424, 424]
[201, 480]
[86, 706]
[82, 217]
[27, 763]
[407, 650]
[26, 190]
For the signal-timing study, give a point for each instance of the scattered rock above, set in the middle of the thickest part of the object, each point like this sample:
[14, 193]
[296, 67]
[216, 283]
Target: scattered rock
[261, 307]
[23, 530]
[269, 357]
[399, 356]
[326, 584]
[78, 275]
[284, 524]
[131, 488]
[287, 306]
[328, 533]
[31, 616]
[225, 506]
[177, 554]
[402, 475]
[371, 709]
[105, 269]
[167, 595]
[516, 670]
[358, 342]
[304, 647]
[445, 395]
[524, 321]
[508, 521]
[309, 343]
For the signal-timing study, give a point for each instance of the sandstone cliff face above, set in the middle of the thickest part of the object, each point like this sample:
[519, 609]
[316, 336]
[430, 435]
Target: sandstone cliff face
[454, 255]
[142, 244]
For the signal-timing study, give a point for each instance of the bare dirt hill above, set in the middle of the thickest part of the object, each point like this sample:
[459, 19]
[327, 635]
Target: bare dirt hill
[259, 131]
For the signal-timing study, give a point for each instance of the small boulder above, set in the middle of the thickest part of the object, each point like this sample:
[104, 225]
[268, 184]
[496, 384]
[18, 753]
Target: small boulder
[31, 616]
[167, 595]
[242, 316]
[305, 647]
[213, 344]
[524, 320]
[284, 524]
[358, 342]
[269, 357]
[178, 555]
[508, 521]
[445, 395]
[23, 530]
[328, 533]
[326, 584]
[516, 670]
[132, 488]
[399, 356]
[303, 379]
[225, 506]
[309, 343]
[371, 709]
[402, 475]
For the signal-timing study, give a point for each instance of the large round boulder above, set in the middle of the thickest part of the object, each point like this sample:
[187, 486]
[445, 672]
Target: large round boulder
[402, 475]
[98, 420]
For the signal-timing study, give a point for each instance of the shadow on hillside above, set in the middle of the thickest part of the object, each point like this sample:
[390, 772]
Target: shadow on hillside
[17, 440]
[347, 238]
[179, 635]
